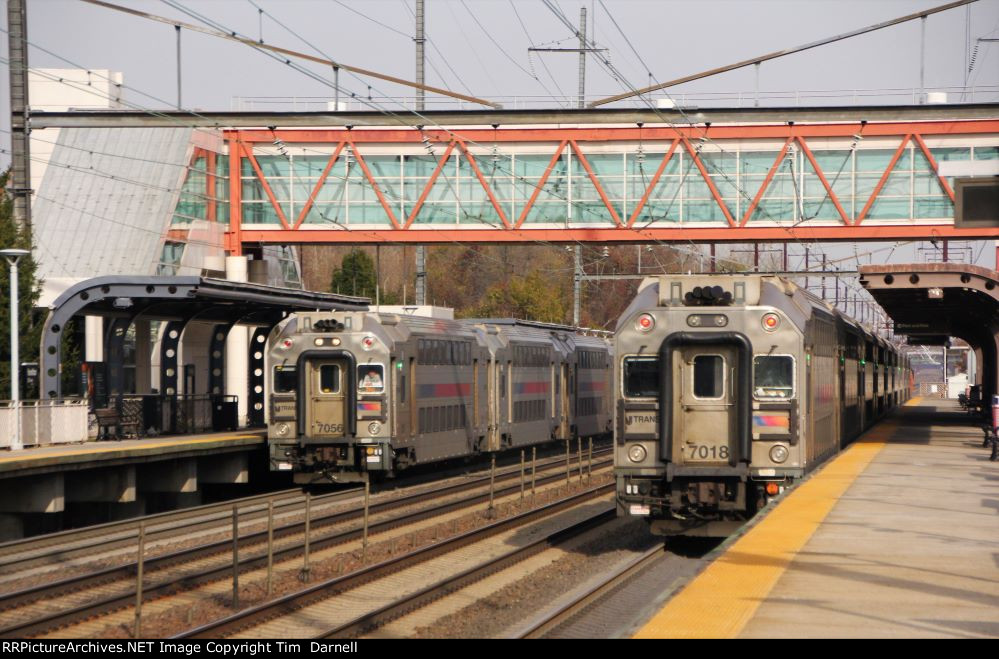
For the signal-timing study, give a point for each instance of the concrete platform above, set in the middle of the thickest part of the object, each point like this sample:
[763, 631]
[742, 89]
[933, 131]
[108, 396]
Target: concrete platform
[50, 488]
[110, 453]
[897, 537]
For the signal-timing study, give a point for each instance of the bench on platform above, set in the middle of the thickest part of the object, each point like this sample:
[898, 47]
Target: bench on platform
[110, 425]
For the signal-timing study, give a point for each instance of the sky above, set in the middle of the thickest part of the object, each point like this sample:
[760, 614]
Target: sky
[668, 39]
[480, 47]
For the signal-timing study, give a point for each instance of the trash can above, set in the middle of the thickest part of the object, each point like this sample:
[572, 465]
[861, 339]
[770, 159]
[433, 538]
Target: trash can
[225, 413]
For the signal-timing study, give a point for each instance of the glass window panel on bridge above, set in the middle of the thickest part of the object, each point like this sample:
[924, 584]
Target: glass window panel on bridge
[777, 205]
[817, 204]
[625, 188]
[551, 204]
[723, 168]
[663, 203]
[588, 206]
[204, 193]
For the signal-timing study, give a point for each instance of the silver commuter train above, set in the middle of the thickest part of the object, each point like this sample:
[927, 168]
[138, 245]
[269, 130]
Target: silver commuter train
[358, 393]
[729, 388]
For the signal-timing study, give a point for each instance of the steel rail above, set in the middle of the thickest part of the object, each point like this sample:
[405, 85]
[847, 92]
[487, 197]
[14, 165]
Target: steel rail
[11, 552]
[375, 619]
[175, 584]
[548, 620]
[331, 587]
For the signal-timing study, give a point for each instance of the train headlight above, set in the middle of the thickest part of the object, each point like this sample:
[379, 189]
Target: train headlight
[318, 342]
[770, 322]
[335, 341]
[779, 453]
[637, 453]
[645, 323]
[374, 427]
[282, 429]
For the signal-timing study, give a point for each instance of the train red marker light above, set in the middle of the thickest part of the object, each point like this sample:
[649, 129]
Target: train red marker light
[771, 322]
[772, 488]
[645, 323]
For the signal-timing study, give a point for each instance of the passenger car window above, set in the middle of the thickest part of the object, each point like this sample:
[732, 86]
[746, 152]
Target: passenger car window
[329, 378]
[641, 377]
[370, 378]
[285, 379]
[709, 376]
[773, 377]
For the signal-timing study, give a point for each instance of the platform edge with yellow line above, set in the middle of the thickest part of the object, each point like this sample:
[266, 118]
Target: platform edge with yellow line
[108, 453]
[720, 601]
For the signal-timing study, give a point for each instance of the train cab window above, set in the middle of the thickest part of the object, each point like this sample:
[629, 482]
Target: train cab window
[370, 378]
[285, 379]
[773, 377]
[641, 377]
[709, 376]
[329, 379]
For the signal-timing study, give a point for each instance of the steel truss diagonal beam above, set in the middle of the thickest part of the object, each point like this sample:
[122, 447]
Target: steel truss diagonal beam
[485, 185]
[654, 182]
[884, 179]
[319, 184]
[620, 224]
[711, 184]
[374, 184]
[766, 182]
[541, 183]
[248, 154]
[430, 184]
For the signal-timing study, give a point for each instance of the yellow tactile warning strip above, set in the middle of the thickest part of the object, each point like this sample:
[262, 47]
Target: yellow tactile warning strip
[146, 445]
[723, 598]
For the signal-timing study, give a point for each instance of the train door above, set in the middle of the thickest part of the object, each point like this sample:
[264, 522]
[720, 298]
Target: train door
[326, 389]
[492, 405]
[705, 414]
[861, 392]
[574, 386]
[563, 422]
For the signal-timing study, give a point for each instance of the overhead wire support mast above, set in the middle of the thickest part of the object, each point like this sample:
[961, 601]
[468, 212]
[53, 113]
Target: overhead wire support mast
[577, 254]
[421, 251]
[17, 44]
[779, 53]
[293, 53]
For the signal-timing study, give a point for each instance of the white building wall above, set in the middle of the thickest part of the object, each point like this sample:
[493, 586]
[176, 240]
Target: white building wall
[59, 90]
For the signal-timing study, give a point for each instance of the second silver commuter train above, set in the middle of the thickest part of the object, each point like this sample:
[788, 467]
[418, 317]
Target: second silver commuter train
[359, 393]
[729, 388]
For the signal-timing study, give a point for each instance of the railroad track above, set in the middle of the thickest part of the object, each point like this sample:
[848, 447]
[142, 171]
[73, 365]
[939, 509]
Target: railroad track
[49, 606]
[61, 548]
[563, 612]
[295, 615]
[18, 555]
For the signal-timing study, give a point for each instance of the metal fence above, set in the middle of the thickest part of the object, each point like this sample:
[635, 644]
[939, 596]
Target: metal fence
[156, 414]
[44, 422]
[68, 420]
[931, 389]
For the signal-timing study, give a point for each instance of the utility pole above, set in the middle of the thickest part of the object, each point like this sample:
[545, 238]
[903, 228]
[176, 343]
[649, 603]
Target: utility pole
[177, 28]
[577, 257]
[17, 49]
[421, 251]
[582, 57]
[577, 254]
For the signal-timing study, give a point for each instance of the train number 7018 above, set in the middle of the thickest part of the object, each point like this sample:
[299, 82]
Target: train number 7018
[704, 452]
